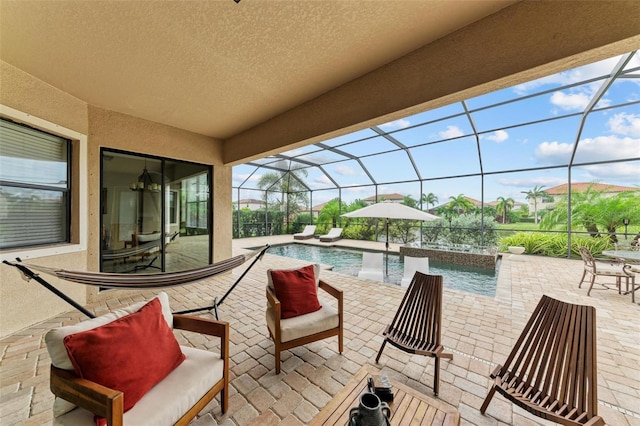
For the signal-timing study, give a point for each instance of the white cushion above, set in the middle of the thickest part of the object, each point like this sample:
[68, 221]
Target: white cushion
[603, 269]
[166, 402]
[304, 325]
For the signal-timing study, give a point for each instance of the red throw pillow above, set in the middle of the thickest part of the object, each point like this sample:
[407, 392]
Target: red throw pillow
[131, 354]
[296, 289]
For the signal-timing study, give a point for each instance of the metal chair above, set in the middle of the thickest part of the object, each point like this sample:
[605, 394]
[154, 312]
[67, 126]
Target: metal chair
[608, 268]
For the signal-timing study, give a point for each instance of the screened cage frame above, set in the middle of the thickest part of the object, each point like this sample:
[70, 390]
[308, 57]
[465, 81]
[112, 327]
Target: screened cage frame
[328, 153]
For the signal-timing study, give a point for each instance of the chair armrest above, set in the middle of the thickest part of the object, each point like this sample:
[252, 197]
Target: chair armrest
[272, 299]
[201, 325]
[338, 295]
[331, 290]
[206, 326]
[609, 260]
[274, 303]
[98, 399]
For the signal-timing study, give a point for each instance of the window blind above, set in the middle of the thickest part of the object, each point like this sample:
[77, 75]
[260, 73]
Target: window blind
[34, 187]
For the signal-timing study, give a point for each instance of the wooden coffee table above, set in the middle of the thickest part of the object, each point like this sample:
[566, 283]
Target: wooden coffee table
[409, 406]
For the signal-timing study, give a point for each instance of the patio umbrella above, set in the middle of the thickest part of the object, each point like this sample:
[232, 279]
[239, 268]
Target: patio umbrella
[388, 210]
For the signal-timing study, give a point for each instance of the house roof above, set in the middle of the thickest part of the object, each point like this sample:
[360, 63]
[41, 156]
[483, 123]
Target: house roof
[583, 186]
[250, 201]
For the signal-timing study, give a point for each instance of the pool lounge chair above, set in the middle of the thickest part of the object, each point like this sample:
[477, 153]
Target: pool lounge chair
[306, 233]
[371, 266]
[411, 266]
[334, 235]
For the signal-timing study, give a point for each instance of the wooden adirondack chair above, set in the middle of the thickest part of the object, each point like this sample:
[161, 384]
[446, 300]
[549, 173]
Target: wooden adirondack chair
[417, 324]
[551, 371]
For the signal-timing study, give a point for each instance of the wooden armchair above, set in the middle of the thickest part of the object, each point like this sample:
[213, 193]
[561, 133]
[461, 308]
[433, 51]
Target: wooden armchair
[175, 400]
[551, 371]
[300, 330]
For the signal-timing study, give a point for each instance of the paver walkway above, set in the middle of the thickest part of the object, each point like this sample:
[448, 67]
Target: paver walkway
[479, 330]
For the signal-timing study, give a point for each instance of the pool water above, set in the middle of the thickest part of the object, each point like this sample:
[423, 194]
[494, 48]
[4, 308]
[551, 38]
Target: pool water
[348, 261]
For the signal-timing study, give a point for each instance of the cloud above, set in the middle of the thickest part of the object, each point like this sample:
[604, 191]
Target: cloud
[625, 172]
[547, 182]
[322, 181]
[601, 148]
[498, 136]
[239, 178]
[570, 101]
[343, 170]
[396, 124]
[625, 124]
[451, 132]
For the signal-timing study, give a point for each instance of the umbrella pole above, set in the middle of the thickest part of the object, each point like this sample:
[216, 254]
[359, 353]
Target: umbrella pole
[386, 249]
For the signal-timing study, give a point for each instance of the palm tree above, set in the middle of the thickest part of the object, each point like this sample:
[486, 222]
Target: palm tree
[288, 184]
[534, 194]
[430, 199]
[461, 204]
[331, 211]
[504, 205]
[409, 201]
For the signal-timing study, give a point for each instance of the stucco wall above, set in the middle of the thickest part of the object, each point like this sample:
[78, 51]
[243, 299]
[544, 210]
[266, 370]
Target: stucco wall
[23, 304]
[108, 129]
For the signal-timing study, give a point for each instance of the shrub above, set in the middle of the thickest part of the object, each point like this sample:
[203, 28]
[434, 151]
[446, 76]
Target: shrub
[554, 244]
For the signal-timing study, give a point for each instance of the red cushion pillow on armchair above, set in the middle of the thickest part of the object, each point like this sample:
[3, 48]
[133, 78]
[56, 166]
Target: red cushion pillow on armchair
[296, 290]
[131, 354]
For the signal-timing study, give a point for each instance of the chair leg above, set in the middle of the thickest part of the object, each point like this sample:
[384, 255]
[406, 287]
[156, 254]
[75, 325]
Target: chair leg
[380, 351]
[593, 280]
[436, 376]
[224, 399]
[584, 272]
[340, 341]
[487, 400]
[277, 360]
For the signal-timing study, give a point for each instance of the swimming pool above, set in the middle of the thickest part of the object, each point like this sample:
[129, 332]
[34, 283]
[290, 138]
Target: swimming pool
[347, 261]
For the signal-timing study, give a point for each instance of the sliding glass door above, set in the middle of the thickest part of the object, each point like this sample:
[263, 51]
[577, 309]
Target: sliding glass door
[156, 214]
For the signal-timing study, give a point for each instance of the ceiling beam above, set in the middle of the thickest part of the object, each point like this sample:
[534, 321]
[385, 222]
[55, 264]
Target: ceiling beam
[517, 44]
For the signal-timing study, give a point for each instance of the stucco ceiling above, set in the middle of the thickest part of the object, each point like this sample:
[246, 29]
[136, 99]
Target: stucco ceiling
[217, 67]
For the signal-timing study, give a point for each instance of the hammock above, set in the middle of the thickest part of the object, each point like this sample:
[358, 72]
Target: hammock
[138, 281]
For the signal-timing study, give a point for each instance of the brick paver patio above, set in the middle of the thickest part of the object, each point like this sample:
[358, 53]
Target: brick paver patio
[479, 330]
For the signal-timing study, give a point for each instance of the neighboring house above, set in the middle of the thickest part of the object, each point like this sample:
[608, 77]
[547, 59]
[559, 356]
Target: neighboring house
[249, 203]
[315, 210]
[557, 192]
[394, 198]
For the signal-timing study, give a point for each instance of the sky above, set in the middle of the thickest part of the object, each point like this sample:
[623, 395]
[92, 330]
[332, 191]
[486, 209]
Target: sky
[444, 149]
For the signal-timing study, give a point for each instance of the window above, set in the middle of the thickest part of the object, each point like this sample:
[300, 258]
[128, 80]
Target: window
[155, 213]
[34, 187]
[197, 203]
